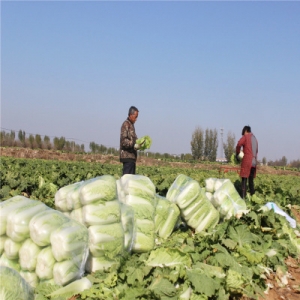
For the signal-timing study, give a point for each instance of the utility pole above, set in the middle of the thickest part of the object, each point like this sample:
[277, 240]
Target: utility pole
[221, 133]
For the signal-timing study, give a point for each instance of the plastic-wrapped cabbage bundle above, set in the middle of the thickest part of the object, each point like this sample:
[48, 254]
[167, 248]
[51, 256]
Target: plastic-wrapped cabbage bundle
[13, 286]
[213, 184]
[106, 240]
[77, 215]
[11, 248]
[139, 193]
[143, 236]
[9, 206]
[196, 209]
[127, 221]
[101, 263]
[102, 213]
[201, 214]
[137, 185]
[43, 223]
[18, 220]
[44, 264]
[228, 201]
[28, 254]
[183, 191]
[167, 216]
[69, 244]
[69, 241]
[98, 190]
[61, 195]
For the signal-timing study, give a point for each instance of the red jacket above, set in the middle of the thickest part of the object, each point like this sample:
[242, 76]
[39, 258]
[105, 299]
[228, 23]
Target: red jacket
[250, 149]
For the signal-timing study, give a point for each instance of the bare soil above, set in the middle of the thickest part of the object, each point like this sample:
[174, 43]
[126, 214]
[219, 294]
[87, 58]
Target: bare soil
[279, 289]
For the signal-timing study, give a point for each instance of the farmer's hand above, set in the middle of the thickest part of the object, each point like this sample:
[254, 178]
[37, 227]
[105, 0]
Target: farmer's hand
[138, 146]
[237, 157]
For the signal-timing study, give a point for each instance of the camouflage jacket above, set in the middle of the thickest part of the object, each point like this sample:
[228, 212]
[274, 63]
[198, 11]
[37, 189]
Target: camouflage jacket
[127, 141]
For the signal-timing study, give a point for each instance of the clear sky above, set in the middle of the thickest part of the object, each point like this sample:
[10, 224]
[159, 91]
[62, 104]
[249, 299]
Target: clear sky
[73, 68]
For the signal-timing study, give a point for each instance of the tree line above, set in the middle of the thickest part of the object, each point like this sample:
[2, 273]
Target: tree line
[204, 146]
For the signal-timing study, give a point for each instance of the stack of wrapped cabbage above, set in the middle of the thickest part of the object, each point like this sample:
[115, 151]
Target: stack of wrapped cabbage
[138, 195]
[95, 204]
[224, 197]
[167, 217]
[42, 244]
[195, 207]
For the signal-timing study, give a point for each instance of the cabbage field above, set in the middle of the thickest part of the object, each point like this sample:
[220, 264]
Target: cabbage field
[77, 230]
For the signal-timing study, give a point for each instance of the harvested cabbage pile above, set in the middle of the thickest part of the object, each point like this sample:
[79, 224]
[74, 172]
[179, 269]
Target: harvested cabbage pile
[137, 192]
[41, 243]
[225, 197]
[94, 203]
[195, 207]
[145, 142]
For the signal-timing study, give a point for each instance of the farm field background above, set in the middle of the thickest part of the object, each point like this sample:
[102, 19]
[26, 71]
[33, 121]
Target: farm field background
[38, 174]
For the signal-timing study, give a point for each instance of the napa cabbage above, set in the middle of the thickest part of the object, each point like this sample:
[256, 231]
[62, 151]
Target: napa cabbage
[106, 240]
[102, 213]
[13, 286]
[28, 255]
[145, 142]
[167, 216]
[18, 220]
[228, 201]
[44, 263]
[61, 195]
[98, 190]
[43, 224]
[70, 242]
[12, 248]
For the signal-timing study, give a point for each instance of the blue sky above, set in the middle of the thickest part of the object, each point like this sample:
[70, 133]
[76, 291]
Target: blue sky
[72, 69]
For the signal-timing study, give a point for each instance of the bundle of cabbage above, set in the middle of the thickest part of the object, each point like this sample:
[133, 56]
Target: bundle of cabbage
[211, 185]
[40, 240]
[195, 207]
[145, 142]
[95, 204]
[67, 197]
[139, 193]
[228, 201]
[167, 216]
[106, 244]
[13, 286]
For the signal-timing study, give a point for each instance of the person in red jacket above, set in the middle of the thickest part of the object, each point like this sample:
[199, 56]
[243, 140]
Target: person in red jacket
[248, 166]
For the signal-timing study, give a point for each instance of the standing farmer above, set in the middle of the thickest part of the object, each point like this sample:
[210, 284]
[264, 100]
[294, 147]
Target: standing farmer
[248, 166]
[128, 137]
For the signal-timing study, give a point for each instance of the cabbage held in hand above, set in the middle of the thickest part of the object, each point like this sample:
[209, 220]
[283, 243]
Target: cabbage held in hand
[145, 142]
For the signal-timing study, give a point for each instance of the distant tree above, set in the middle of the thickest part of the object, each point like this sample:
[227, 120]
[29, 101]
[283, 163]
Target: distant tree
[211, 144]
[47, 143]
[59, 143]
[197, 142]
[229, 145]
[38, 141]
[264, 161]
[295, 163]
[284, 161]
[279, 162]
[31, 141]
[22, 137]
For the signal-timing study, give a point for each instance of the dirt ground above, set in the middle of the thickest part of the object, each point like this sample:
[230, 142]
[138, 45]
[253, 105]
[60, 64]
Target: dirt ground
[287, 289]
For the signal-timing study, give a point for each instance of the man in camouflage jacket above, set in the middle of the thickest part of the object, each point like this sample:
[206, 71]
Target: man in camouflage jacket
[128, 137]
